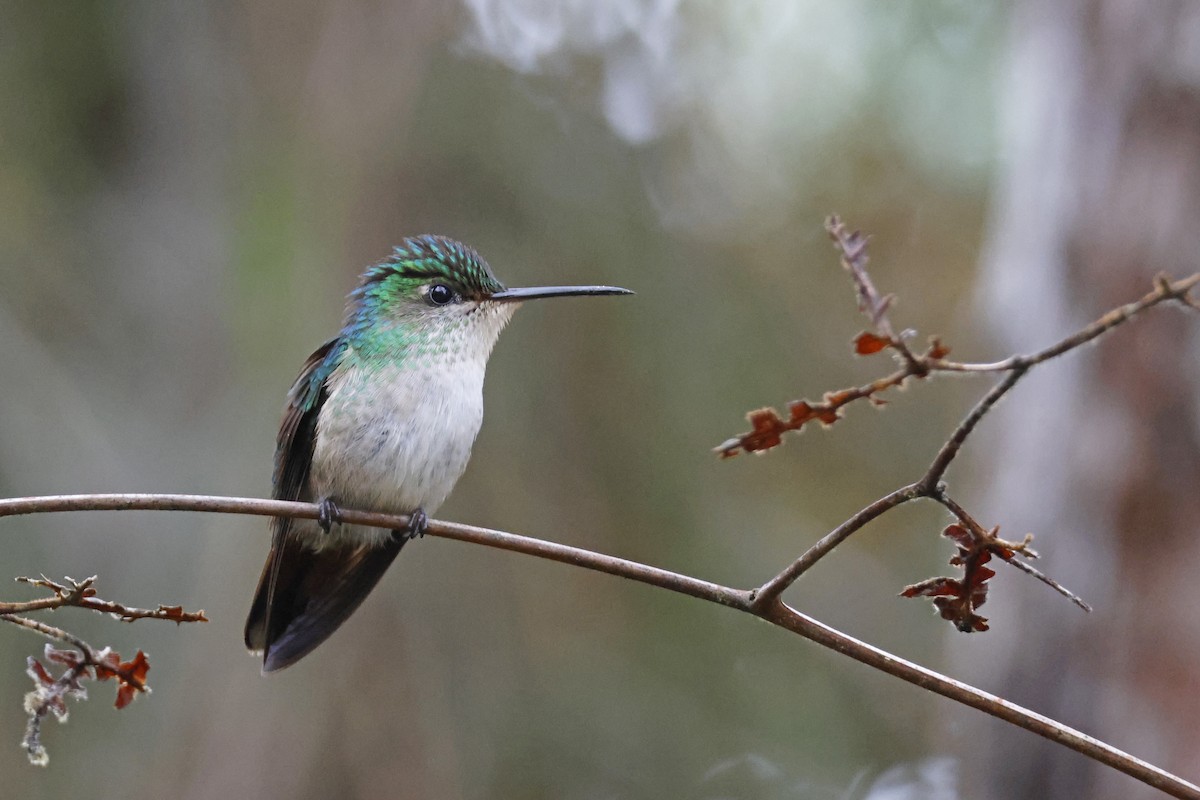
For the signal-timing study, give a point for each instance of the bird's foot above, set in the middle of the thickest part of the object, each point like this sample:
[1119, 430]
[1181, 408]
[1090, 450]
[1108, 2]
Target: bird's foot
[418, 523]
[328, 514]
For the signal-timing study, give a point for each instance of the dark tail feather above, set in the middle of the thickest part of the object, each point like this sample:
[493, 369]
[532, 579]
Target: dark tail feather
[304, 595]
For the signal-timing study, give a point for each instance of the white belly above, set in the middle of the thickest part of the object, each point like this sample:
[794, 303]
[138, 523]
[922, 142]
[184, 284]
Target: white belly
[393, 440]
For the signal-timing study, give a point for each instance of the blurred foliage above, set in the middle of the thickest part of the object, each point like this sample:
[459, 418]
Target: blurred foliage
[187, 191]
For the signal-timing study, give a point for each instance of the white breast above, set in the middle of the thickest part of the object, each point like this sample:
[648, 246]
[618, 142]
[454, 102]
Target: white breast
[393, 439]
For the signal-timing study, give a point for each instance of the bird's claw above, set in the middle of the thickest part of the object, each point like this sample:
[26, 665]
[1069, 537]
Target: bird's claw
[418, 523]
[328, 514]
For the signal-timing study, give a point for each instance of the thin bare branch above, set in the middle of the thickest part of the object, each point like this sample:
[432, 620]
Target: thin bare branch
[950, 449]
[741, 600]
[51, 632]
[449, 530]
[1164, 290]
[1033, 571]
[788, 618]
[769, 592]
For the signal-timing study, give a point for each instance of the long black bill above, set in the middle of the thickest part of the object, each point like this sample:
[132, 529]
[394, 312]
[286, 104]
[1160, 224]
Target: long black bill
[535, 292]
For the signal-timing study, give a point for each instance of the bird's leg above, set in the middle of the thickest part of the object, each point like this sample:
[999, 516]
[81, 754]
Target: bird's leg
[417, 525]
[328, 513]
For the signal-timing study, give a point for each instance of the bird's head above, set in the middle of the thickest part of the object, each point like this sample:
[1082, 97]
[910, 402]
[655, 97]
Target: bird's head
[437, 296]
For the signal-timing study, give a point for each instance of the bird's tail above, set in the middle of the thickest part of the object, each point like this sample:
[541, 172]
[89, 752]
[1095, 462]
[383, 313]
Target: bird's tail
[304, 595]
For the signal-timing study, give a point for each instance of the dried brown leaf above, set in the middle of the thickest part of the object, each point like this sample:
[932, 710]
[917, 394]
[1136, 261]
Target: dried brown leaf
[867, 343]
[956, 599]
[130, 675]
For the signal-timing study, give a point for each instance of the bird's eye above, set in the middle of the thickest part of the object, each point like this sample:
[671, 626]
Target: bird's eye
[440, 294]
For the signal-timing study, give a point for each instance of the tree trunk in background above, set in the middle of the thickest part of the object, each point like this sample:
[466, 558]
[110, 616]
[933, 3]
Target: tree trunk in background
[1099, 455]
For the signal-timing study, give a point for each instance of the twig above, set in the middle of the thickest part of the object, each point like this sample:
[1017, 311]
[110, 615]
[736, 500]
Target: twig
[741, 600]
[966, 519]
[769, 592]
[51, 632]
[80, 594]
[1164, 290]
[933, 476]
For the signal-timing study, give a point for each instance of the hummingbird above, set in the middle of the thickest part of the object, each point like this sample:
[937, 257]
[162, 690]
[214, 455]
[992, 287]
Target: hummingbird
[381, 418]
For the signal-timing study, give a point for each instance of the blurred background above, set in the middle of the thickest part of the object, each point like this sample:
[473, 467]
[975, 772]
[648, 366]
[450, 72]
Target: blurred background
[188, 191]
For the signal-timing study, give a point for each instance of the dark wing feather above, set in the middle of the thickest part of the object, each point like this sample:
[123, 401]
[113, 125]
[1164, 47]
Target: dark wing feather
[315, 591]
[297, 431]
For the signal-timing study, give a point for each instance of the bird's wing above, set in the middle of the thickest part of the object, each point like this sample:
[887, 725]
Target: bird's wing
[293, 461]
[297, 432]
